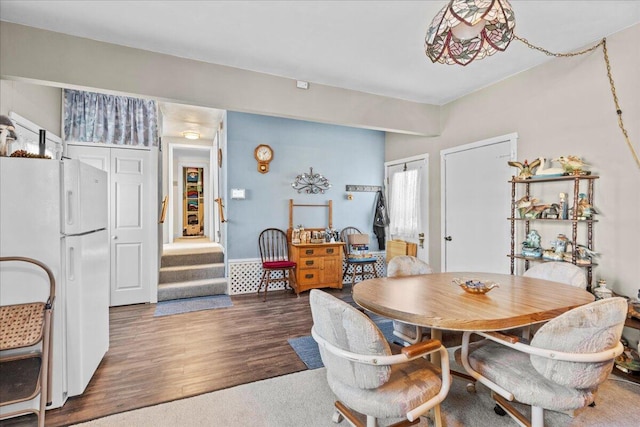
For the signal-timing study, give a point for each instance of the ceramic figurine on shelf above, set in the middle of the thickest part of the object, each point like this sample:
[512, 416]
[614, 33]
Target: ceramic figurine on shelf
[584, 255]
[535, 211]
[524, 203]
[564, 206]
[531, 246]
[526, 168]
[573, 165]
[585, 209]
[558, 249]
[560, 244]
[552, 255]
[552, 212]
[544, 172]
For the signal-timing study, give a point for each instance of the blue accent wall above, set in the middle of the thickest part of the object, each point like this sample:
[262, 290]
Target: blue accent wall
[344, 155]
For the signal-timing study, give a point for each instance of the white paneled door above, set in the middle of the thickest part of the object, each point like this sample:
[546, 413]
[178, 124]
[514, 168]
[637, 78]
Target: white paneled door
[476, 202]
[132, 220]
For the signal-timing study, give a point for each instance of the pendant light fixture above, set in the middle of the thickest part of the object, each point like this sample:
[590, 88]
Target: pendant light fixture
[465, 30]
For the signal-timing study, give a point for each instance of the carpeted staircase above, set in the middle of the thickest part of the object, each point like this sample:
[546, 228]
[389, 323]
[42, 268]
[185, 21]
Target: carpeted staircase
[191, 272]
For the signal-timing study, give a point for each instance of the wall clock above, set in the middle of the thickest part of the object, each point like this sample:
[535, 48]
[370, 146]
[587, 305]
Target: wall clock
[263, 154]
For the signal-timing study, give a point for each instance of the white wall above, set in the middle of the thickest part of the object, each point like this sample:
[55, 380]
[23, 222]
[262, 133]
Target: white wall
[562, 107]
[40, 104]
[108, 67]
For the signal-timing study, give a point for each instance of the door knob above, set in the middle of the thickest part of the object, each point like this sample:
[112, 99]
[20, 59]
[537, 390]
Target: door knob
[448, 238]
[114, 237]
[421, 239]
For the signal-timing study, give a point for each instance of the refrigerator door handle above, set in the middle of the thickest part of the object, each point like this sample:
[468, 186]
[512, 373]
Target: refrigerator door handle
[69, 207]
[71, 270]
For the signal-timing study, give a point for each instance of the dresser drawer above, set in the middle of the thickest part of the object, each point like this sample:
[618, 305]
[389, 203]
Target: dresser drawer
[319, 251]
[310, 262]
[309, 277]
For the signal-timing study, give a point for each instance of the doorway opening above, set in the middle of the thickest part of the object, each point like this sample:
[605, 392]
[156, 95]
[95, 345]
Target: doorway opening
[193, 201]
[191, 210]
[407, 187]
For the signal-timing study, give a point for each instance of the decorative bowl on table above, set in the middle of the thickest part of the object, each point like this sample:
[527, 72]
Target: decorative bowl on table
[475, 286]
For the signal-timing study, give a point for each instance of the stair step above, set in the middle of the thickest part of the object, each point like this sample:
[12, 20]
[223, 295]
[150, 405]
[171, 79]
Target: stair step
[191, 256]
[192, 288]
[184, 273]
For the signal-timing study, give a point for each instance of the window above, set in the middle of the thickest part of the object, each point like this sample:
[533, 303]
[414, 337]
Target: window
[404, 212]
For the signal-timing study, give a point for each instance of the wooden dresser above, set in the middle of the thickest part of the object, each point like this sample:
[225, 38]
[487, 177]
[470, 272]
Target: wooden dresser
[319, 265]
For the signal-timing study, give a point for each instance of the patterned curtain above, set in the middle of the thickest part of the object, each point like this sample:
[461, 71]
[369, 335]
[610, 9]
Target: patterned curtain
[405, 203]
[109, 119]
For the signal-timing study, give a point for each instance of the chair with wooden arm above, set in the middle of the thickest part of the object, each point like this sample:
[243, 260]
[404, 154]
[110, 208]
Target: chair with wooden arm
[366, 376]
[568, 358]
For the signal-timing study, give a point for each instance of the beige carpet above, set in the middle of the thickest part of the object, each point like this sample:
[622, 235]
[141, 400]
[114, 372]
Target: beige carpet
[304, 399]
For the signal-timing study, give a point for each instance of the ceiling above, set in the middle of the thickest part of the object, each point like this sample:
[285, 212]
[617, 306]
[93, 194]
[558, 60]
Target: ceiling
[369, 46]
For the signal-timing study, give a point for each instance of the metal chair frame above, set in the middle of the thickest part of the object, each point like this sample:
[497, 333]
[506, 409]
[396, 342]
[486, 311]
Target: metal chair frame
[22, 326]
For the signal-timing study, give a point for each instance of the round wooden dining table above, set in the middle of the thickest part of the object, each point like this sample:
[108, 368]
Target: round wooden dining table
[435, 301]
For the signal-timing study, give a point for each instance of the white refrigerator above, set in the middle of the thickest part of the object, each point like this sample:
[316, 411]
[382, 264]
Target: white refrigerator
[57, 212]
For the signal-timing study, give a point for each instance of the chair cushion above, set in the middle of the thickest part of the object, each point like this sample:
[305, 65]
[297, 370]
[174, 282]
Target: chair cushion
[278, 264]
[361, 260]
[409, 385]
[513, 371]
[591, 328]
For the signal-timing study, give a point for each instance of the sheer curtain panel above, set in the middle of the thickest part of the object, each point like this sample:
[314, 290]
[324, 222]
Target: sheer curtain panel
[120, 120]
[405, 203]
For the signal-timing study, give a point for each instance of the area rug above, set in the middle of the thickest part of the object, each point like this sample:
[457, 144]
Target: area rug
[304, 399]
[187, 305]
[307, 348]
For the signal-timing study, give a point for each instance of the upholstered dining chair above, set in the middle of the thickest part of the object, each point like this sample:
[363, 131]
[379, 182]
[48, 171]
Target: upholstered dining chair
[274, 254]
[558, 271]
[366, 376]
[568, 358]
[351, 236]
[406, 265]
[555, 271]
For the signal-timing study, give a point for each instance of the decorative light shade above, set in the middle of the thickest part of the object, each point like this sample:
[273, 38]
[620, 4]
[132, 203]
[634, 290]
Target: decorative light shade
[465, 30]
[189, 134]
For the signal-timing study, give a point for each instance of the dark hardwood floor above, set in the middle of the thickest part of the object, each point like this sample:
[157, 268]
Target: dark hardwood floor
[158, 359]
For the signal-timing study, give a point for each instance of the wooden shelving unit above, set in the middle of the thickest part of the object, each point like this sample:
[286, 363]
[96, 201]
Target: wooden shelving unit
[193, 202]
[573, 221]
